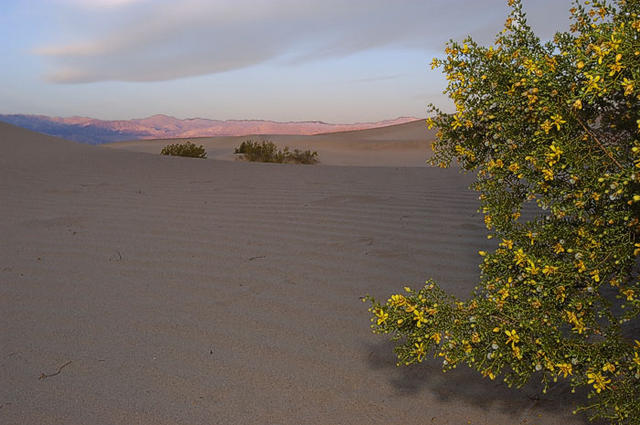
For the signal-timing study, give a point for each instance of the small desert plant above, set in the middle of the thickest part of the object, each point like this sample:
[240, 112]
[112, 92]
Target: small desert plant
[245, 147]
[267, 151]
[304, 157]
[187, 149]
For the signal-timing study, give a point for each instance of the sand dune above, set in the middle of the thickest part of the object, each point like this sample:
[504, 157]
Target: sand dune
[186, 291]
[397, 145]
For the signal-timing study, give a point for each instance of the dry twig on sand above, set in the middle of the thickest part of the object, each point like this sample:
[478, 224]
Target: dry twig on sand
[45, 376]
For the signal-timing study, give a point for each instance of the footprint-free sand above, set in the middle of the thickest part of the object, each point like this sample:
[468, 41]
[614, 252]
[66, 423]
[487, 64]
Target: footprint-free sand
[215, 291]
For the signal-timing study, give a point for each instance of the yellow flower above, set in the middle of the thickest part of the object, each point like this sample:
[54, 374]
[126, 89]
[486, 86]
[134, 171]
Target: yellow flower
[397, 300]
[431, 310]
[560, 294]
[513, 337]
[554, 156]
[616, 66]
[546, 126]
[514, 167]
[547, 174]
[599, 382]
[531, 236]
[600, 52]
[578, 323]
[418, 316]
[532, 269]
[628, 86]
[436, 337]
[488, 373]
[430, 123]
[577, 104]
[508, 243]
[629, 293]
[419, 351]
[565, 369]
[504, 294]
[557, 120]
[517, 352]
[592, 84]
[456, 121]
[488, 221]
[519, 256]
[579, 326]
[382, 316]
[608, 367]
[558, 248]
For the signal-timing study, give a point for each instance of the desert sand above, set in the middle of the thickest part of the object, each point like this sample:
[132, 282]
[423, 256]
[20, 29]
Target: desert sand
[188, 291]
[398, 145]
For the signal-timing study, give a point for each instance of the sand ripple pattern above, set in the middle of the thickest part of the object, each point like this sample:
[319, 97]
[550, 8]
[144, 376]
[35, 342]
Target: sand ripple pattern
[188, 291]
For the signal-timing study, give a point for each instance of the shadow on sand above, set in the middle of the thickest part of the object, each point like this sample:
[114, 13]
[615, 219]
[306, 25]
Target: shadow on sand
[466, 385]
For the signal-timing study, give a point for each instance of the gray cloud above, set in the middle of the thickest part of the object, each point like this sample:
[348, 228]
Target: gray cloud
[165, 40]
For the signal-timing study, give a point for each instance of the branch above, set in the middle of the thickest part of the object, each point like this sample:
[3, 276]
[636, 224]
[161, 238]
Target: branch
[45, 376]
[600, 145]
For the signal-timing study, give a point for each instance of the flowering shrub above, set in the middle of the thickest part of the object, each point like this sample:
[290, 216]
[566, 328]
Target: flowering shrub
[553, 127]
[187, 149]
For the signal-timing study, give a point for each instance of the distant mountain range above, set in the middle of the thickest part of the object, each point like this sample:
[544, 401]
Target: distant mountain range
[94, 131]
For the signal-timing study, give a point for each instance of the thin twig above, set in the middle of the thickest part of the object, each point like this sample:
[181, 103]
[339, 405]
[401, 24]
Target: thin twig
[593, 136]
[45, 376]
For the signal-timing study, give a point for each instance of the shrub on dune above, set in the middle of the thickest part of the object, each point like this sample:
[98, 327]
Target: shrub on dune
[555, 125]
[187, 149]
[267, 151]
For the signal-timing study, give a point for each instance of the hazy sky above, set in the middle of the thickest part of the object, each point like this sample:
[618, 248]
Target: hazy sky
[331, 60]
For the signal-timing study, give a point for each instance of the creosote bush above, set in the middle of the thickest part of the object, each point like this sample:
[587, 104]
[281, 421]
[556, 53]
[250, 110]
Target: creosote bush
[267, 151]
[187, 149]
[557, 126]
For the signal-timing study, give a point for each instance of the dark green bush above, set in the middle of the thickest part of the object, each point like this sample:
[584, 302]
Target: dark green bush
[267, 151]
[304, 157]
[187, 149]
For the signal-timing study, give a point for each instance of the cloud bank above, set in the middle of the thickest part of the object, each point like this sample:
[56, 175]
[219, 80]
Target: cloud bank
[166, 40]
